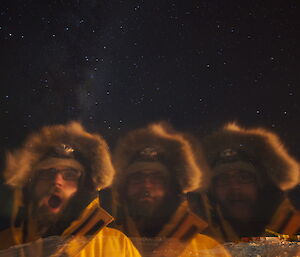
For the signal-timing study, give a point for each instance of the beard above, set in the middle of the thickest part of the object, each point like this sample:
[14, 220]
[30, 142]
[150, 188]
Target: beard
[239, 207]
[49, 208]
[144, 209]
[49, 223]
[150, 213]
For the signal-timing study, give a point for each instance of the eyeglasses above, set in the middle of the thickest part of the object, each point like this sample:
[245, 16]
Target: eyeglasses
[241, 177]
[67, 174]
[155, 178]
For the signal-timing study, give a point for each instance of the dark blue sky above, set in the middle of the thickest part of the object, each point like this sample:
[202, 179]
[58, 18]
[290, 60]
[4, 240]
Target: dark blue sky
[121, 64]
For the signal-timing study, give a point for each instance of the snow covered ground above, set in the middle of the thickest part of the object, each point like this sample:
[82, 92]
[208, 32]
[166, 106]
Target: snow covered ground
[265, 247]
[269, 247]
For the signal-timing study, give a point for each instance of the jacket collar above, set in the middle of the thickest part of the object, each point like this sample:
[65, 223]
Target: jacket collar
[92, 219]
[179, 226]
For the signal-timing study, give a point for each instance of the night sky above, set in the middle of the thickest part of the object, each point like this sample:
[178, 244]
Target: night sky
[117, 65]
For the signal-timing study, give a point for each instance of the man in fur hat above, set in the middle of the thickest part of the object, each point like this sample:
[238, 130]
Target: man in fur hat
[251, 170]
[56, 176]
[155, 169]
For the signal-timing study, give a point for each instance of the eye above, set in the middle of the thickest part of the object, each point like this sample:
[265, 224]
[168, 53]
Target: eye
[71, 174]
[157, 179]
[136, 178]
[246, 177]
[46, 174]
[222, 180]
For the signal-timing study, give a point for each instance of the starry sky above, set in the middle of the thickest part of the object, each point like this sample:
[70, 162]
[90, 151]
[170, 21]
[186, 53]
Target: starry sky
[117, 65]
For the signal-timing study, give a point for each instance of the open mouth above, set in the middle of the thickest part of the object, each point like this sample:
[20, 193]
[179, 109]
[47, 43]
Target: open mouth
[54, 202]
[145, 197]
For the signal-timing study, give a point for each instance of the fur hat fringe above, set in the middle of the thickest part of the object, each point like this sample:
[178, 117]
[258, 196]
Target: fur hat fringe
[92, 147]
[263, 145]
[173, 146]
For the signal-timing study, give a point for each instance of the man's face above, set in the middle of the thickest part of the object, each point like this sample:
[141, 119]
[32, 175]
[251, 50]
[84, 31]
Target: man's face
[146, 190]
[53, 189]
[237, 193]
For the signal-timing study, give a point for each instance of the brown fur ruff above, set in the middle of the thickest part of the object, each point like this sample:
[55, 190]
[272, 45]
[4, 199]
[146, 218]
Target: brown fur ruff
[93, 148]
[260, 143]
[178, 154]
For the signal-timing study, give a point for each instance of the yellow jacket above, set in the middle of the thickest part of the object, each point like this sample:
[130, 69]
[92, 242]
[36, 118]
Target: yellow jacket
[108, 242]
[177, 238]
[202, 245]
[87, 236]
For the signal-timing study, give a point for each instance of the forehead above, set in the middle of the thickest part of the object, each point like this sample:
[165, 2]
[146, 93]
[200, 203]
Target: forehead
[234, 171]
[150, 172]
[238, 174]
[59, 164]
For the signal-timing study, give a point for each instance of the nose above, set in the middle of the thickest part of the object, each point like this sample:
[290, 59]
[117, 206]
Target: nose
[58, 180]
[147, 183]
[235, 185]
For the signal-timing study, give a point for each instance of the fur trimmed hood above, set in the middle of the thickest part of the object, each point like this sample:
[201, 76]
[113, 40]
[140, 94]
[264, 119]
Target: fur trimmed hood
[91, 147]
[260, 145]
[173, 150]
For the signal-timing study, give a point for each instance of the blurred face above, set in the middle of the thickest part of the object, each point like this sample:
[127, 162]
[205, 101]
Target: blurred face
[146, 190]
[53, 189]
[237, 193]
